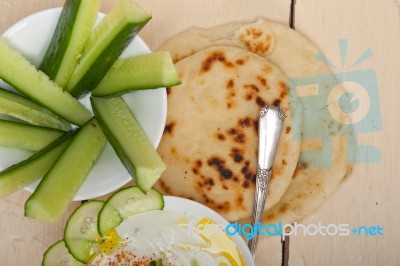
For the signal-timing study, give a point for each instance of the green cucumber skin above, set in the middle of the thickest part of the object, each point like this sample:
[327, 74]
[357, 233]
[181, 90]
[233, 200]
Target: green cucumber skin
[60, 40]
[18, 106]
[25, 136]
[38, 87]
[113, 219]
[112, 213]
[59, 186]
[57, 254]
[148, 71]
[146, 173]
[72, 31]
[80, 244]
[105, 60]
[27, 171]
[113, 141]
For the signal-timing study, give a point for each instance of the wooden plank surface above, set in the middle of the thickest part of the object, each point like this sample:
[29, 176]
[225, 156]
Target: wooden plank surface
[368, 197]
[23, 240]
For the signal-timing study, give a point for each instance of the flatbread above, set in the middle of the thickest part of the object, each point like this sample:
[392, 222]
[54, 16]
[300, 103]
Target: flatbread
[210, 143]
[297, 57]
[290, 51]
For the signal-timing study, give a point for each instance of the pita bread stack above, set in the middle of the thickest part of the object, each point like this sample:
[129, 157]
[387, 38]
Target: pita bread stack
[210, 141]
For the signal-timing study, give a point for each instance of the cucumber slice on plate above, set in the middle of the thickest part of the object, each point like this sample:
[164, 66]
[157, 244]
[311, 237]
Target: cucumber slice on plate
[58, 255]
[148, 71]
[18, 106]
[24, 77]
[127, 202]
[105, 44]
[73, 28]
[25, 172]
[24, 136]
[129, 141]
[81, 233]
[59, 186]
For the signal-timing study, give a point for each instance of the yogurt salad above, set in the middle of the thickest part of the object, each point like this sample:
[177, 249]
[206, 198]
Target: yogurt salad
[170, 237]
[133, 228]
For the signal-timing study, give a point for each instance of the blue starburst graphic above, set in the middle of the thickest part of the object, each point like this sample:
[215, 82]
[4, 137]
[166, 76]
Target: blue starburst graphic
[361, 104]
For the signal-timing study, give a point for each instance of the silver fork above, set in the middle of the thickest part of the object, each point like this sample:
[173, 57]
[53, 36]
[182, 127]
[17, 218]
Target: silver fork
[269, 130]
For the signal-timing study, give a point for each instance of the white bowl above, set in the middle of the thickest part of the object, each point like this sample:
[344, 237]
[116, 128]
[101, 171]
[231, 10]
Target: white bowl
[201, 211]
[31, 37]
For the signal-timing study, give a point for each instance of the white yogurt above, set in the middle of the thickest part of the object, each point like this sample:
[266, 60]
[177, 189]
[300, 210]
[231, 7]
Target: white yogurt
[166, 235]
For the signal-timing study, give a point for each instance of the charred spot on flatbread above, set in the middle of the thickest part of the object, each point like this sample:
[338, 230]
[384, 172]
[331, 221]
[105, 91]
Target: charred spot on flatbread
[276, 102]
[257, 40]
[284, 89]
[197, 166]
[215, 57]
[220, 136]
[263, 81]
[236, 134]
[252, 87]
[169, 127]
[245, 122]
[220, 165]
[241, 61]
[165, 187]
[236, 155]
[260, 102]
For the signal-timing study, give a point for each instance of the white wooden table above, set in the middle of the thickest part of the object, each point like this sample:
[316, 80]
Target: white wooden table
[370, 196]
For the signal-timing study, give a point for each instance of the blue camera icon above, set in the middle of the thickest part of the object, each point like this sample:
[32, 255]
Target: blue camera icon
[326, 111]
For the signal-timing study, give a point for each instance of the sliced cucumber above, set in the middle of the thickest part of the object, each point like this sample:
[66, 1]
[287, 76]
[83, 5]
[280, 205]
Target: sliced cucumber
[105, 44]
[58, 255]
[73, 27]
[147, 71]
[127, 202]
[29, 137]
[81, 233]
[25, 172]
[23, 76]
[129, 141]
[58, 187]
[16, 105]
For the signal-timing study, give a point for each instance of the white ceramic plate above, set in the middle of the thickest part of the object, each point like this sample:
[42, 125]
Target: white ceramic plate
[201, 211]
[31, 37]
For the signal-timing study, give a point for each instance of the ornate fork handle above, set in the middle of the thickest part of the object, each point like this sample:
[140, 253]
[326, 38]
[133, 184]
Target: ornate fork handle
[269, 131]
[263, 177]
